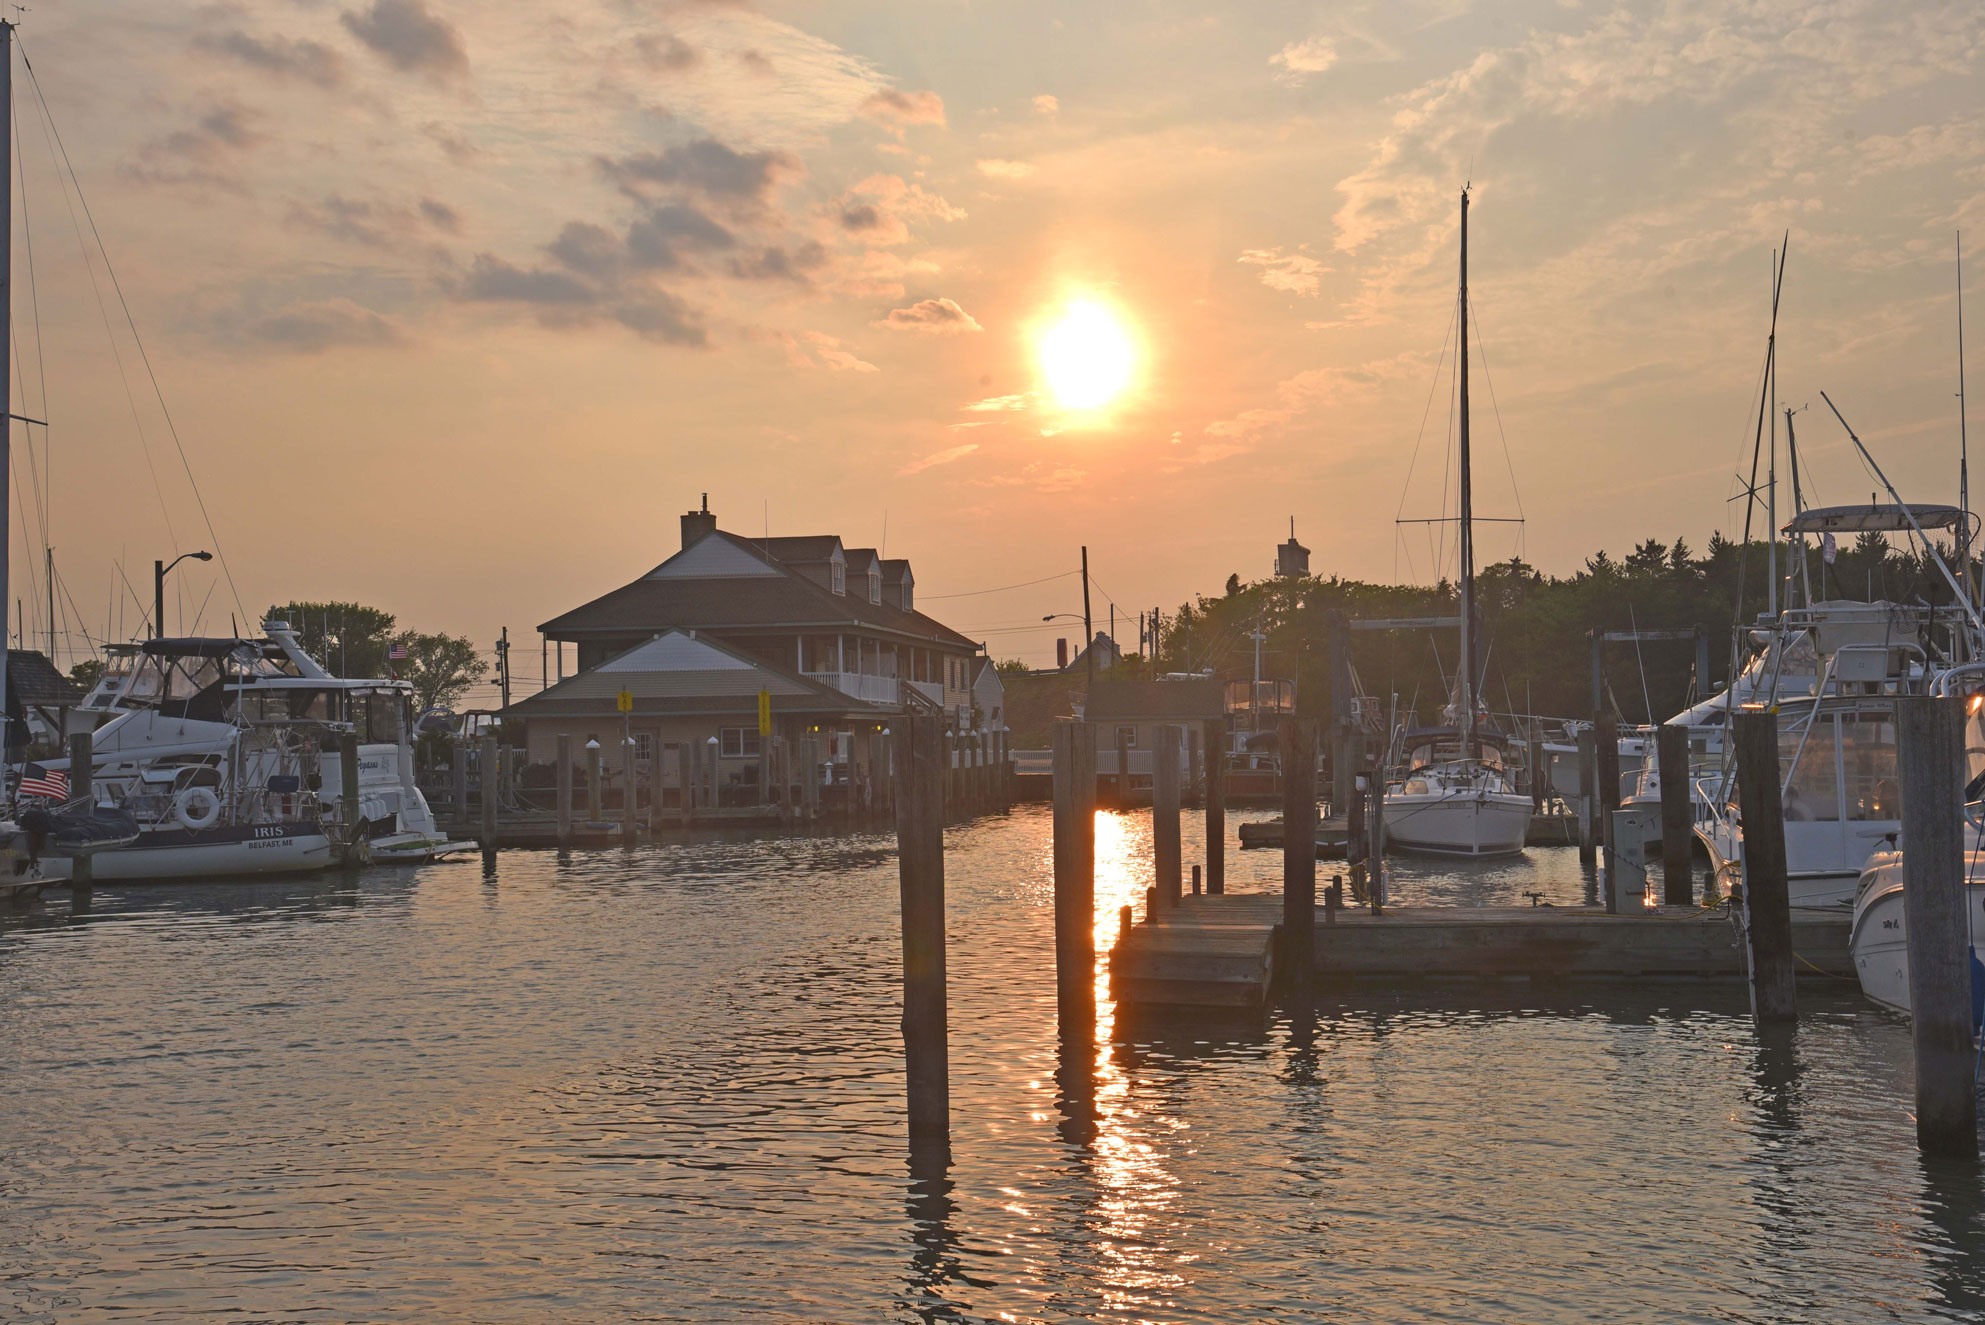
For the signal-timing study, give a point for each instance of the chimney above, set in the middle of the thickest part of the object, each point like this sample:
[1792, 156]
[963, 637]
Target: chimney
[695, 524]
[1061, 655]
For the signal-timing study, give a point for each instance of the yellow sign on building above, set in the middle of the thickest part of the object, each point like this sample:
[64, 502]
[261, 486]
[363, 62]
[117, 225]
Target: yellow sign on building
[765, 713]
[624, 701]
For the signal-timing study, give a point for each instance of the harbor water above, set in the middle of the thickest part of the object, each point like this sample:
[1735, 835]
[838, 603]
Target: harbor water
[667, 1084]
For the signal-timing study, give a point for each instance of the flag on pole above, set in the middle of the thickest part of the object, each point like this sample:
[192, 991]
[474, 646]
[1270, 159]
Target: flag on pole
[51, 783]
[398, 653]
[1828, 549]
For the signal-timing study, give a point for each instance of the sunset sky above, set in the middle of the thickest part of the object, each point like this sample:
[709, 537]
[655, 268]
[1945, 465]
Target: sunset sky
[456, 306]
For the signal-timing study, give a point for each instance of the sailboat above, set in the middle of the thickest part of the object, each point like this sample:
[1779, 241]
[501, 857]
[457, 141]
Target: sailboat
[13, 853]
[1450, 792]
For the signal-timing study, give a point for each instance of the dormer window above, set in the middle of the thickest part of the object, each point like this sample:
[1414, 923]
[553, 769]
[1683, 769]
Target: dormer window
[838, 578]
[875, 587]
[909, 593]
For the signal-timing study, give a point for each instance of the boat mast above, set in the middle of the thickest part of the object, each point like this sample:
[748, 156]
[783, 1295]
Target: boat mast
[6, 331]
[1467, 714]
[1963, 450]
[1771, 470]
[1799, 509]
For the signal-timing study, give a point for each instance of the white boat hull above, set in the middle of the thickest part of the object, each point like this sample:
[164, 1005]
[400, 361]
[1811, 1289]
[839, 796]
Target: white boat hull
[1880, 938]
[213, 853]
[1457, 823]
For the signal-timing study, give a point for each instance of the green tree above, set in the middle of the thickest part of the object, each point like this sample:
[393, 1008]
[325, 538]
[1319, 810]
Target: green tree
[350, 639]
[87, 673]
[441, 667]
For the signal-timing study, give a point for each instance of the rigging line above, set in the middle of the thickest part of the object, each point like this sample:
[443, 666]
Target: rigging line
[973, 593]
[1646, 696]
[144, 608]
[34, 470]
[123, 377]
[202, 612]
[34, 593]
[144, 356]
[63, 586]
[1426, 411]
[40, 348]
[1482, 348]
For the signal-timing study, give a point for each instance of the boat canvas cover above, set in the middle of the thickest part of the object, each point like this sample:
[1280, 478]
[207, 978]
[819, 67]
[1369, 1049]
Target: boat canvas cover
[1882, 518]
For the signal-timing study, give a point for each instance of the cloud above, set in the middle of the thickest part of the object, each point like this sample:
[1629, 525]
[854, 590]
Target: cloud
[998, 169]
[453, 145]
[1046, 104]
[308, 61]
[491, 278]
[411, 39]
[875, 209]
[931, 317]
[704, 166]
[1001, 403]
[374, 223]
[1297, 60]
[1292, 273]
[936, 458]
[312, 328]
[666, 53]
[563, 298]
[203, 153]
[897, 108]
[826, 352]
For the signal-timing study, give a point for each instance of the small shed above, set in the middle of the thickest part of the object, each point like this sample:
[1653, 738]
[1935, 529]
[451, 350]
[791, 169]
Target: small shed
[39, 699]
[1134, 710]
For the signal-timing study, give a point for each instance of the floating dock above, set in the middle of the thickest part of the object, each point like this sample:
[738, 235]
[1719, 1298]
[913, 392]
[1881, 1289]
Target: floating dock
[1218, 951]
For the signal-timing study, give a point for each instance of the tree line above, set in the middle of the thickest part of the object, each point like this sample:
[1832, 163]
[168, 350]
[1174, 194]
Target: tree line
[1535, 649]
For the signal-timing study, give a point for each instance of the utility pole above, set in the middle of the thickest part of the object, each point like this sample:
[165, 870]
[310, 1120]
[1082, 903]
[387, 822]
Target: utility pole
[1088, 631]
[503, 664]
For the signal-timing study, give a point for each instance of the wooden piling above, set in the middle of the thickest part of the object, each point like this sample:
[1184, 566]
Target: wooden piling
[1195, 881]
[1195, 786]
[564, 789]
[1166, 857]
[1606, 791]
[82, 771]
[1299, 849]
[1930, 755]
[1767, 904]
[630, 794]
[920, 855]
[490, 777]
[1540, 776]
[1588, 798]
[685, 772]
[461, 789]
[356, 848]
[1677, 824]
[1216, 806]
[810, 773]
[1120, 786]
[1074, 752]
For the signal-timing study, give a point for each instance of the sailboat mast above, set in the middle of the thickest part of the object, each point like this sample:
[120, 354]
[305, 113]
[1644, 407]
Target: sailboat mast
[1771, 472]
[1467, 714]
[1963, 448]
[6, 331]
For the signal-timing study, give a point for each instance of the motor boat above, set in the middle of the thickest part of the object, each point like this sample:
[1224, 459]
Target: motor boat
[1879, 939]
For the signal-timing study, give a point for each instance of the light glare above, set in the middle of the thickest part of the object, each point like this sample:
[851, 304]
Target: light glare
[1086, 356]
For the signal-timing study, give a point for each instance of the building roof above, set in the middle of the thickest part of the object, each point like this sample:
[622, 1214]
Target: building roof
[897, 569]
[33, 681]
[802, 549]
[722, 581]
[1129, 701]
[678, 673]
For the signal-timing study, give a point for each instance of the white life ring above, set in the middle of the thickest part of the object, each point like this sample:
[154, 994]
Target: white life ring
[197, 807]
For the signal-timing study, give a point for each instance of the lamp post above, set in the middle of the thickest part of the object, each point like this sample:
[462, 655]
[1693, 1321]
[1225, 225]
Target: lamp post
[159, 570]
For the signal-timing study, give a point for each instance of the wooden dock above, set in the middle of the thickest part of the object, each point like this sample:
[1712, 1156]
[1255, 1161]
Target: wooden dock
[1216, 951]
[1546, 830]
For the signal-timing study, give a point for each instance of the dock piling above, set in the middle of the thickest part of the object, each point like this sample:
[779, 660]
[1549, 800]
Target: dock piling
[1540, 779]
[82, 767]
[1216, 806]
[1767, 904]
[461, 787]
[1930, 753]
[1606, 791]
[348, 798]
[1165, 853]
[593, 810]
[630, 794]
[920, 856]
[1074, 750]
[1677, 831]
[1120, 785]
[564, 791]
[1588, 798]
[489, 784]
[1299, 849]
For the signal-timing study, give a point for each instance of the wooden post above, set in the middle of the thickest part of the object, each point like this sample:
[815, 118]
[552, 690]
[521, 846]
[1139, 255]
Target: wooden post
[1375, 836]
[461, 783]
[1606, 791]
[564, 789]
[1074, 746]
[1121, 786]
[920, 855]
[82, 772]
[1767, 905]
[593, 809]
[1588, 798]
[810, 772]
[1343, 769]
[1540, 776]
[348, 799]
[1671, 746]
[1195, 764]
[1166, 857]
[1216, 806]
[630, 795]
[1299, 849]
[489, 785]
[1930, 752]
[1195, 880]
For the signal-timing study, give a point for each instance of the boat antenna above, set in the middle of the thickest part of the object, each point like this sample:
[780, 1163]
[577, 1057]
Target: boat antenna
[1963, 598]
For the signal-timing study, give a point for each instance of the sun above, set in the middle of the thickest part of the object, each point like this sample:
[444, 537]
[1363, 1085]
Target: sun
[1086, 356]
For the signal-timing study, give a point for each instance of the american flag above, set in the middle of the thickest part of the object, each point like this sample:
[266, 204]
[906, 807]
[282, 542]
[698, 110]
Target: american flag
[398, 653]
[52, 783]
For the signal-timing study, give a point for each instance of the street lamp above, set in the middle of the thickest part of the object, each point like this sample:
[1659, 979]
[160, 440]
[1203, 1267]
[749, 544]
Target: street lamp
[159, 569]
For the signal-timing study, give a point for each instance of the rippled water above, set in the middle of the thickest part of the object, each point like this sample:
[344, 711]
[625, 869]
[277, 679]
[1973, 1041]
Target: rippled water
[667, 1085]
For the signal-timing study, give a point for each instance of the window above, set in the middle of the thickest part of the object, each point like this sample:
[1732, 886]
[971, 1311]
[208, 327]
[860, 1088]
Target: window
[738, 742]
[838, 578]
[644, 745]
[1127, 736]
[909, 595]
[1874, 786]
[875, 586]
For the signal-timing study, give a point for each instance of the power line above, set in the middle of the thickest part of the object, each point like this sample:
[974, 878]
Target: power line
[973, 593]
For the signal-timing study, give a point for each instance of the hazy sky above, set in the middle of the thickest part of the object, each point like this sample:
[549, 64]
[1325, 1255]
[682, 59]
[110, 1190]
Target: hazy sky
[457, 306]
